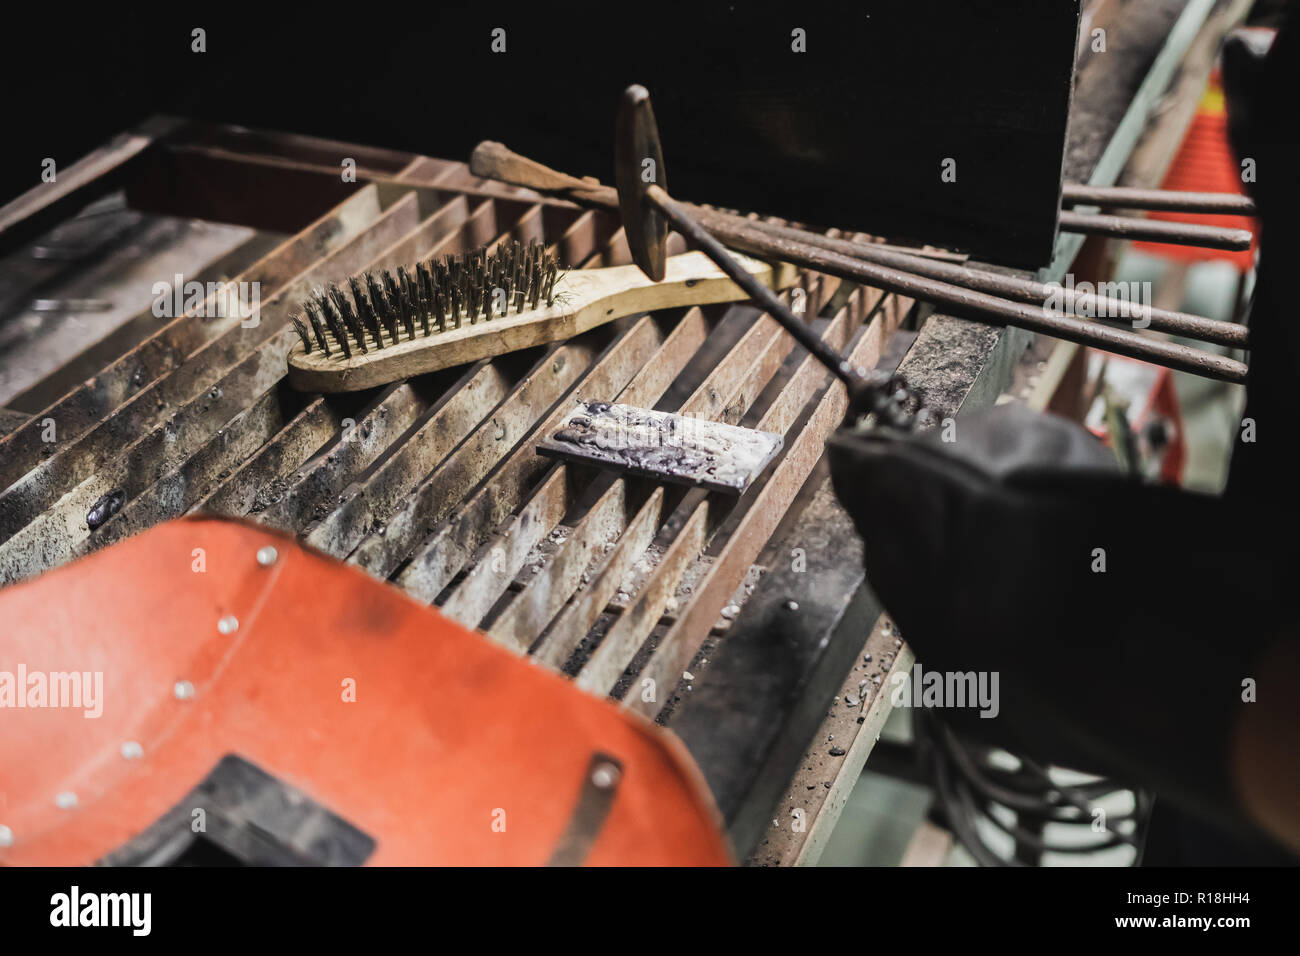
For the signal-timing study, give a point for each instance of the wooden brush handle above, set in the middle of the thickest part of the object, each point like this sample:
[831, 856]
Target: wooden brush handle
[584, 299]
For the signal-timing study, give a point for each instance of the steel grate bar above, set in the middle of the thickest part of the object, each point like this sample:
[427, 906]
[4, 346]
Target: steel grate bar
[303, 498]
[687, 533]
[364, 504]
[550, 590]
[436, 482]
[436, 562]
[173, 494]
[449, 548]
[312, 489]
[76, 462]
[725, 383]
[678, 646]
[86, 406]
[529, 614]
[504, 555]
[688, 523]
[57, 533]
[246, 488]
[260, 484]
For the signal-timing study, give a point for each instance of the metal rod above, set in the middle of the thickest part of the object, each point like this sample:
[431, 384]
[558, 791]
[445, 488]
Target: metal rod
[980, 306]
[496, 161]
[1125, 197]
[713, 215]
[1013, 287]
[1157, 230]
[757, 291]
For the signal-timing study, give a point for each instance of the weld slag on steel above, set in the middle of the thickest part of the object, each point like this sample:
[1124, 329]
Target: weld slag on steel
[104, 508]
[670, 445]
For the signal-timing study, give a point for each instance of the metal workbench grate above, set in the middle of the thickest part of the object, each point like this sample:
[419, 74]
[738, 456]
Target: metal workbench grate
[434, 483]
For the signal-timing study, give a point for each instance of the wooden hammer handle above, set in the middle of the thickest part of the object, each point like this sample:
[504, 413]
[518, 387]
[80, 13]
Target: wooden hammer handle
[492, 160]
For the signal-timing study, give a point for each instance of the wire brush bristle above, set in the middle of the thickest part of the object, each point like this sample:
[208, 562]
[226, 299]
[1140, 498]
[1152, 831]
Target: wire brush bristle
[439, 294]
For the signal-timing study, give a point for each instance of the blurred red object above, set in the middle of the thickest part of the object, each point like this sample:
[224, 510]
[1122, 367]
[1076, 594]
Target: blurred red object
[1205, 163]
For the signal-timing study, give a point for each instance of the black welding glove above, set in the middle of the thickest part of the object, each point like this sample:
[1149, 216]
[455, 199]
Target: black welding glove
[1121, 618]
[989, 550]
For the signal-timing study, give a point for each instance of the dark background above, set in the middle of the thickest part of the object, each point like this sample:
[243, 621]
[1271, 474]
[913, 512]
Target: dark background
[851, 133]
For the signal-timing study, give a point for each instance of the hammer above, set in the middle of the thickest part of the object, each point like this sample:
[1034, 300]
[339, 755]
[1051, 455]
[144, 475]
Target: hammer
[960, 291]
[647, 210]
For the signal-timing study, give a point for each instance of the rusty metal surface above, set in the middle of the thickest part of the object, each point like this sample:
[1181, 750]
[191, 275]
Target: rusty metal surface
[48, 321]
[972, 293]
[625, 584]
[1129, 197]
[1157, 230]
[436, 484]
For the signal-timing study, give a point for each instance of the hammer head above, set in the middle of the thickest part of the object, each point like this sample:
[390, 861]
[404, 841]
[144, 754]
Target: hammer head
[638, 165]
